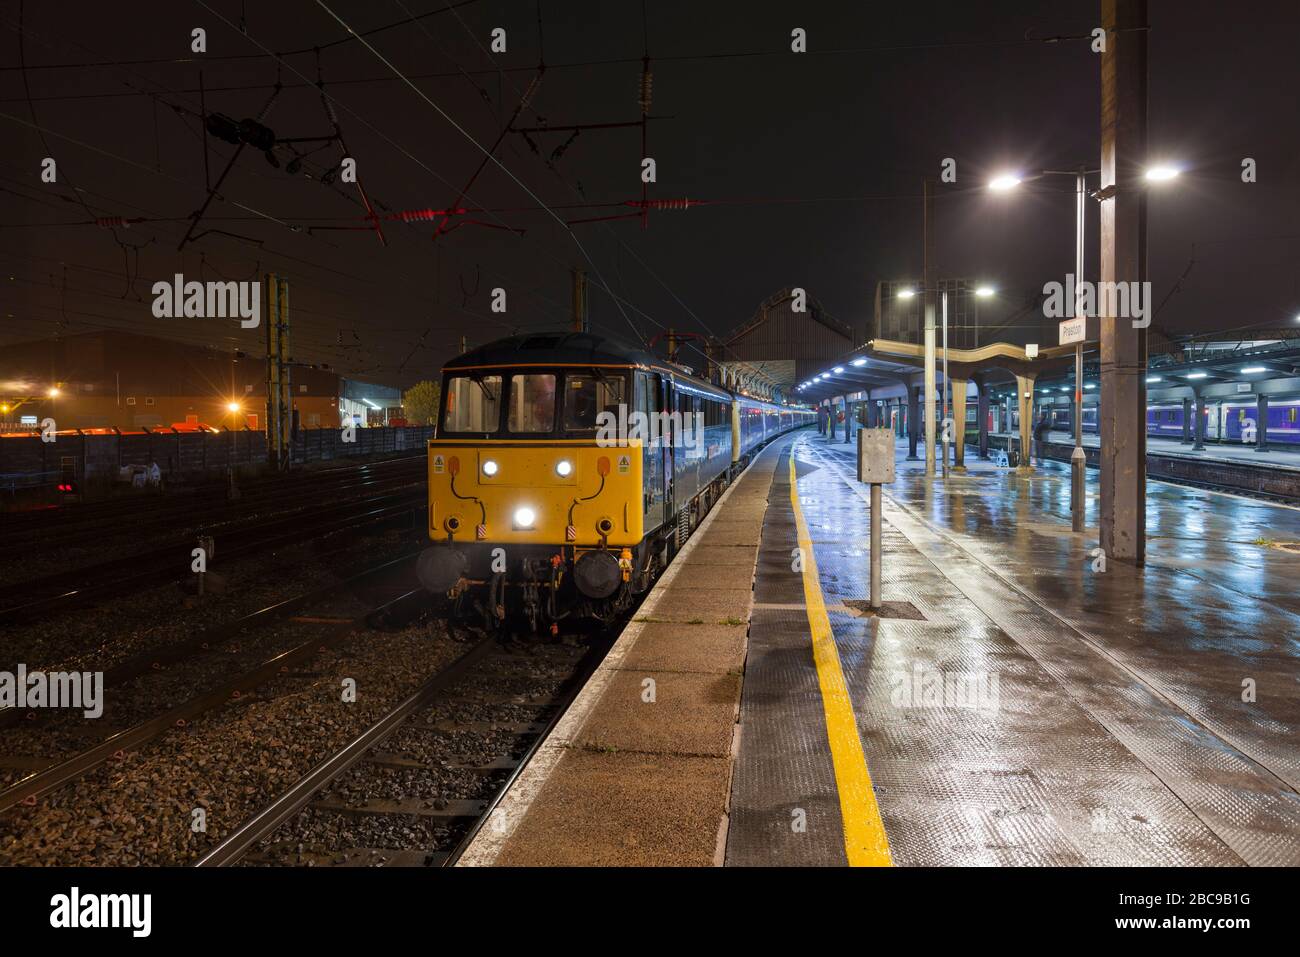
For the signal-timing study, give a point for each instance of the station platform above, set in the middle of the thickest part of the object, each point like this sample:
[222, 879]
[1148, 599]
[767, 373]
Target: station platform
[1277, 456]
[1014, 703]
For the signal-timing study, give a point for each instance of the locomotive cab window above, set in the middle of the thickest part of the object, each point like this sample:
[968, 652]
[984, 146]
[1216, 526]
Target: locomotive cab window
[473, 404]
[587, 394]
[532, 402]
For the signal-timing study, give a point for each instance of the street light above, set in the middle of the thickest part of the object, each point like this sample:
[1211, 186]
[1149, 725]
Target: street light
[984, 292]
[53, 392]
[1078, 463]
[1159, 174]
[909, 293]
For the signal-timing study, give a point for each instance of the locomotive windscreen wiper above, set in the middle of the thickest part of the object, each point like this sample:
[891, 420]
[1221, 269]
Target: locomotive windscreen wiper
[609, 383]
[487, 393]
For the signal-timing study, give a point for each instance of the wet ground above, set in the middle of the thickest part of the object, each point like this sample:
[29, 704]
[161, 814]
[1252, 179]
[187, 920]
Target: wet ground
[1031, 708]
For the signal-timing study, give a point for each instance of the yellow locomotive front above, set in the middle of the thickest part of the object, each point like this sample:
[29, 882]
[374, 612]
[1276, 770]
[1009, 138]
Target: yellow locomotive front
[534, 509]
[564, 492]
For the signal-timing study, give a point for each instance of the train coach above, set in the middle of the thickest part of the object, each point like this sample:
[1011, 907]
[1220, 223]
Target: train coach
[1225, 421]
[568, 468]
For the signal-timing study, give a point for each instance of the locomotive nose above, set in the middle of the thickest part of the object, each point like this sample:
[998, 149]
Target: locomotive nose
[439, 568]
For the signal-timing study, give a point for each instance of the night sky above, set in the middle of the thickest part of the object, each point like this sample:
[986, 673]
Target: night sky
[814, 162]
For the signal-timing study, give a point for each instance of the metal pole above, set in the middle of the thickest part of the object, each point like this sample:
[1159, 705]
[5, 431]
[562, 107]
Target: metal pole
[286, 386]
[1078, 461]
[928, 396]
[946, 413]
[579, 321]
[875, 545]
[1122, 416]
[928, 305]
[270, 285]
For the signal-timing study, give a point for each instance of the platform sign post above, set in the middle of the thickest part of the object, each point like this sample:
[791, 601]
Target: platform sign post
[875, 468]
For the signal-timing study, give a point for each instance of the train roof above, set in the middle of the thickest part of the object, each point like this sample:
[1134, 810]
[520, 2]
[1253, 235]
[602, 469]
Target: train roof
[557, 348]
[575, 349]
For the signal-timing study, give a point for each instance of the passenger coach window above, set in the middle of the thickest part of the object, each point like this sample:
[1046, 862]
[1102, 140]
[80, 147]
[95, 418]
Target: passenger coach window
[473, 404]
[532, 403]
[586, 395]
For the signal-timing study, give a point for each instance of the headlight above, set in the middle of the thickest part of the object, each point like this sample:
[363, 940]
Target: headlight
[489, 468]
[525, 517]
[563, 468]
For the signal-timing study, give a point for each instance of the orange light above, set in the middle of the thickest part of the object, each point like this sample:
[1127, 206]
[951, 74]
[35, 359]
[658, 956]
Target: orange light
[232, 406]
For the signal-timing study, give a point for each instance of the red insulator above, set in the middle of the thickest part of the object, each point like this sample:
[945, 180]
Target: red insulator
[662, 203]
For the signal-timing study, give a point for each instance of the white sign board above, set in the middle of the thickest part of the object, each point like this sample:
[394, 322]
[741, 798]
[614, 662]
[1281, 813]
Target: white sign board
[875, 455]
[1031, 350]
[1074, 330]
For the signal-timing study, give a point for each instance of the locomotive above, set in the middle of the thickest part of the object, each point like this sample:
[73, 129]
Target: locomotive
[568, 468]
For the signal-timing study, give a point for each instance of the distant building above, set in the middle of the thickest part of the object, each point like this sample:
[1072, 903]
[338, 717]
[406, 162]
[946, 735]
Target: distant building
[783, 344]
[123, 380]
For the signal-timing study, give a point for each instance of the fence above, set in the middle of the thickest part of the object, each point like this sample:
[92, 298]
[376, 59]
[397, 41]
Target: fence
[26, 461]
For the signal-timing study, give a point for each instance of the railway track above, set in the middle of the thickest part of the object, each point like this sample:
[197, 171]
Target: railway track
[400, 600]
[409, 752]
[209, 507]
[158, 660]
[73, 588]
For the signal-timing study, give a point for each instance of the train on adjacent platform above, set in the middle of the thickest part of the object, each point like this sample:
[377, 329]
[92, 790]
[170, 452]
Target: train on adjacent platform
[567, 469]
[1225, 421]
[1230, 421]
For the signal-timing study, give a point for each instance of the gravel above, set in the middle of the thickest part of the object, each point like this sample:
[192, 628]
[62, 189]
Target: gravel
[530, 672]
[228, 762]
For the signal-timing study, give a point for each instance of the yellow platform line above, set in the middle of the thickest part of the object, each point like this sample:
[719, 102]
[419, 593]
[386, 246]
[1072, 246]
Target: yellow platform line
[865, 842]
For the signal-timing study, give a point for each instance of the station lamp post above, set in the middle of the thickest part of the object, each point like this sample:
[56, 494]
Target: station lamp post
[1009, 181]
[981, 292]
[1078, 463]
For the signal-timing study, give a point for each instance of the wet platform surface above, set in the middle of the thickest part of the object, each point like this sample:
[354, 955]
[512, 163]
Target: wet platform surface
[638, 771]
[1032, 708]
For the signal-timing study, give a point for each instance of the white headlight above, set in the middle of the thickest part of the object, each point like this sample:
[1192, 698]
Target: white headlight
[489, 467]
[563, 468]
[525, 517]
